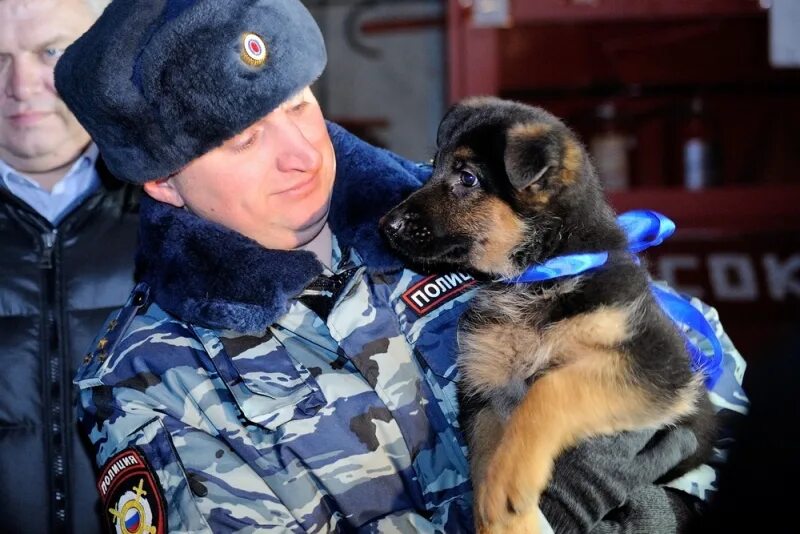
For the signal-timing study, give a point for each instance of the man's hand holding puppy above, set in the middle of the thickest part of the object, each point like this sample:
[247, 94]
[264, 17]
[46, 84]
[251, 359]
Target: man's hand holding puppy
[607, 485]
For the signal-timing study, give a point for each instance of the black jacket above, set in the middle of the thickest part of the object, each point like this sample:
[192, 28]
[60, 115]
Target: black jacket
[57, 286]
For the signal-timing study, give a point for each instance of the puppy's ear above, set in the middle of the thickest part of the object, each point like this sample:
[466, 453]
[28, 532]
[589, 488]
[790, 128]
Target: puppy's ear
[533, 151]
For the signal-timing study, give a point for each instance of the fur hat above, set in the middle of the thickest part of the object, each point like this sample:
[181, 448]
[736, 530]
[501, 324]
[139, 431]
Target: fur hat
[158, 83]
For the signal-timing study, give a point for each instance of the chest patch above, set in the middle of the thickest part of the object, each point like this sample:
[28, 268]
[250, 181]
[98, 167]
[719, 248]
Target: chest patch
[433, 291]
[131, 496]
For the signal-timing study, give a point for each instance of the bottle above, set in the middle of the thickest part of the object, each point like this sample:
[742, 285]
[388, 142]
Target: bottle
[698, 167]
[609, 149]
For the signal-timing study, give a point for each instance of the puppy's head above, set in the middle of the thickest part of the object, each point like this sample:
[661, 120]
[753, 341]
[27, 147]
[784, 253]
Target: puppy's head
[505, 177]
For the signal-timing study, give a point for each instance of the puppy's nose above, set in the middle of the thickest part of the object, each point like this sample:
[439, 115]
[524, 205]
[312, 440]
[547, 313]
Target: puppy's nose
[399, 221]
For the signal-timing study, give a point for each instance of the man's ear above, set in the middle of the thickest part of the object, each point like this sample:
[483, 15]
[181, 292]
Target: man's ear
[164, 190]
[533, 150]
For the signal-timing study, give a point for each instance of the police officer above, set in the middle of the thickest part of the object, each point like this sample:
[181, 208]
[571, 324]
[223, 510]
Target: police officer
[277, 367]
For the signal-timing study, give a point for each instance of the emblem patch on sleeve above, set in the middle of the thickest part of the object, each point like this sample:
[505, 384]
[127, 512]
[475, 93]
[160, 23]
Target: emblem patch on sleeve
[433, 291]
[131, 495]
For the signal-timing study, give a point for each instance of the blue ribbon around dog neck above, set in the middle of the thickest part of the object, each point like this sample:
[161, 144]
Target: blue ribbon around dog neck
[644, 229]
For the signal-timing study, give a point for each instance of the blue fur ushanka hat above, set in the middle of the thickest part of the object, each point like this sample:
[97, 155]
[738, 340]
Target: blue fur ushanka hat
[158, 83]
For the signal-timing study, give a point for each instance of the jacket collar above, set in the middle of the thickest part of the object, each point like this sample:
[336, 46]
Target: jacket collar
[206, 274]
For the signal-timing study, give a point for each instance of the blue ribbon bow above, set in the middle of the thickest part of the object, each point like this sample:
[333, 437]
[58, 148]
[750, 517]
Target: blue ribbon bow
[644, 229]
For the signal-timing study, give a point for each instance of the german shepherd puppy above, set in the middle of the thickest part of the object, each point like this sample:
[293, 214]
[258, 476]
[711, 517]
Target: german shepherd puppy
[543, 365]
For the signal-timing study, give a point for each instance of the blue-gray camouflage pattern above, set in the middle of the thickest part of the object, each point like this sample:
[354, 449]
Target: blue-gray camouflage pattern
[341, 420]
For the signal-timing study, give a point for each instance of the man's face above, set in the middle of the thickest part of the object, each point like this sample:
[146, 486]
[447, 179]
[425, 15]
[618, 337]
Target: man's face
[272, 182]
[37, 131]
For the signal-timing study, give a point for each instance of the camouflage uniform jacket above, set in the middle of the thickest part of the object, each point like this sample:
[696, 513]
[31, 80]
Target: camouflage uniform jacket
[243, 389]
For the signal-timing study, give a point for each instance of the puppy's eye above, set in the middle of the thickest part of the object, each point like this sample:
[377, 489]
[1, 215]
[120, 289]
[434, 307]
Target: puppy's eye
[468, 179]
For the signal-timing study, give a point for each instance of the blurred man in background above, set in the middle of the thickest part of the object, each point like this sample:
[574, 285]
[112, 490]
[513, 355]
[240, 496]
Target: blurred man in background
[67, 236]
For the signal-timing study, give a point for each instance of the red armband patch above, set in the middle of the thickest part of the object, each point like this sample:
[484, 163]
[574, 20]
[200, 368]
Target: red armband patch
[131, 495]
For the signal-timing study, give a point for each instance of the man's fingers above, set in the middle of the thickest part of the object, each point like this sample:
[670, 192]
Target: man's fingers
[666, 449]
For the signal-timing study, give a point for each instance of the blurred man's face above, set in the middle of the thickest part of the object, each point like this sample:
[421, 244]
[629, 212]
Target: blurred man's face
[272, 182]
[37, 131]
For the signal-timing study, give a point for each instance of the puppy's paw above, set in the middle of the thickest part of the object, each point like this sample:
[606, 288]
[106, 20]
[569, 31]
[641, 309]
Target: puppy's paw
[528, 523]
[508, 492]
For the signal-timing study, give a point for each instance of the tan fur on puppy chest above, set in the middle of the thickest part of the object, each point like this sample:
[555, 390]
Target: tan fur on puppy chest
[494, 355]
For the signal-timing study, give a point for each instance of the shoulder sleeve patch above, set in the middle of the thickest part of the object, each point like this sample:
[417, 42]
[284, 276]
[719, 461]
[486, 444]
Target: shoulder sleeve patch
[131, 495]
[433, 291]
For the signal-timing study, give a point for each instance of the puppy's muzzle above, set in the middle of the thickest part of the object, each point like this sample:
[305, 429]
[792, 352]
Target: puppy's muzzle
[402, 225]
